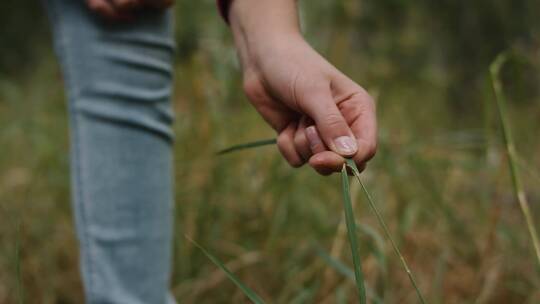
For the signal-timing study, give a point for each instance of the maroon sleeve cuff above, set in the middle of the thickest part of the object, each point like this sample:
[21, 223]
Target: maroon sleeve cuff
[224, 6]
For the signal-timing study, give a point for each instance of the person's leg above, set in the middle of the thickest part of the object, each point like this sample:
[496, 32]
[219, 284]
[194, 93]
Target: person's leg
[119, 79]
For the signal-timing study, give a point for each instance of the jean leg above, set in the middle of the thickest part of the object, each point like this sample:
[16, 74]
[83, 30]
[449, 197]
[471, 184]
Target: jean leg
[119, 79]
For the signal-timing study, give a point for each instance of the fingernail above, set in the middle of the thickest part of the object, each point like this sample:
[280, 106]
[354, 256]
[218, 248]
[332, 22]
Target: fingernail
[345, 145]
[313, 137]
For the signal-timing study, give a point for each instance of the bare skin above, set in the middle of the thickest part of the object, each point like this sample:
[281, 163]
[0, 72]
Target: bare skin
[123, 10]
[320, 115]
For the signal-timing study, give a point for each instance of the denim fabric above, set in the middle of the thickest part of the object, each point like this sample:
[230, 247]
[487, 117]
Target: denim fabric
[119, 78]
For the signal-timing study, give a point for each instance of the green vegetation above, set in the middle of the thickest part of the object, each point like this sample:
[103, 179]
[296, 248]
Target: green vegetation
[440, 178]
[511, 152]
[246, 290]
[350, 221]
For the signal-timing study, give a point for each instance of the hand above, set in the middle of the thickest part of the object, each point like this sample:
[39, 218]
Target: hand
[123, 10]
[320, 115]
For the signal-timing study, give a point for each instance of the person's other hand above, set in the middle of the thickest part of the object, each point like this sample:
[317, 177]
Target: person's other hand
[320, 115]
[124, 10]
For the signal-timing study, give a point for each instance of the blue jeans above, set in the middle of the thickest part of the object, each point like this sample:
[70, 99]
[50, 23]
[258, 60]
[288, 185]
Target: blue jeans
[119, 79]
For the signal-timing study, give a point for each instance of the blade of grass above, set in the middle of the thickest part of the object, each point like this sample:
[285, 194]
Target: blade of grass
[350, 221]
[248, 292]
[336, 251]
[249, 145]
[352, 166]
[519, 192]
[351, 232]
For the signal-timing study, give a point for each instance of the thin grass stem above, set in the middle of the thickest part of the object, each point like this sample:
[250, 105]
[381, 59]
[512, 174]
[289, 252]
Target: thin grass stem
[356, 173]
[255, 144]
[248, 292]
[511, 152]
[350, 221]
[351, 232]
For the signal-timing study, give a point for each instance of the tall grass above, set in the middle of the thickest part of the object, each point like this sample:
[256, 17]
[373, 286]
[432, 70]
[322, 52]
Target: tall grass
[244, 288]
[381, 221]
[511, 152]
[350, 221]
[351, 232]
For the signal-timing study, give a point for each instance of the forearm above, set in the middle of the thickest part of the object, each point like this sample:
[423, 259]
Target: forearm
[258, 24]
[319, 113]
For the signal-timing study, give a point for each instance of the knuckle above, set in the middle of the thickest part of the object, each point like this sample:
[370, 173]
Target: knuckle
[318, 86]
[366, 99]
[363, 97]
[333, 120]
[285, 145]
[282, 140]
[253, 88]
[311, 92]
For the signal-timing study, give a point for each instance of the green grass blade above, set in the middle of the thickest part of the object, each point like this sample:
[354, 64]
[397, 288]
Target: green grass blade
[249, 145]
[519, 191]
[351, 222]
[352, 166]
[248, 292]
[351, 232]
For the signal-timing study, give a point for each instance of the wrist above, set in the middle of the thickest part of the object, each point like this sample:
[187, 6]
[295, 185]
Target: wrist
[264, 16]
[263, 25]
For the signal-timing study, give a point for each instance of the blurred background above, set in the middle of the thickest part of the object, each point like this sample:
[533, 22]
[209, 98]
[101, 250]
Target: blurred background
[440, 177]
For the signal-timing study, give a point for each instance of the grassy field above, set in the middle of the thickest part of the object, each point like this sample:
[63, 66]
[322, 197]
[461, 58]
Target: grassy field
[440, 178]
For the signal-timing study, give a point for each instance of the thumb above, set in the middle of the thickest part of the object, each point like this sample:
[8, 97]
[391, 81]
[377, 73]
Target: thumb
[334, 130]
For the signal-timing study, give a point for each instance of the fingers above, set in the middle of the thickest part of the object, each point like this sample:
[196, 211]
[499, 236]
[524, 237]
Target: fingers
[327, 162]
[286, 146]
[323, 161]
[112, 10]
[125, 5]
[122, 10]
[315, 142]
[102, 7]
[273, 111]
[301, 141]
[335, 132]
